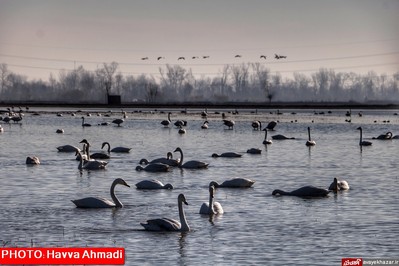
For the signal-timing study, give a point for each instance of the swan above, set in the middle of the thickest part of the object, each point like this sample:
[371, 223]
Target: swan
[211, 207]
[229, 123]
[168, 160]
[205, 125]
[385, 136]
[238, 182]
[152, 184]
[271, 125]
[254, 151]
[190, 164]
[116, 149]
[97, 155]
[338, 185]
[32, 160]
[59, 131]
[256, 125]
[361, 141]
[280, 137]
[266, 141]
[180, 123]
[166, 123]
[310, 142]
[118, 121]
[304, 192]
[395, 137]
[97, 202]
[182, 130]
[90, 165]
[154, 167]
[85, 124]
[67, 148]
[227, 155]
[167, 224]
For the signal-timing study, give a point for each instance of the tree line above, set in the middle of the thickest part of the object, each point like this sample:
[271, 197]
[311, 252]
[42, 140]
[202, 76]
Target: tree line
[247, 82]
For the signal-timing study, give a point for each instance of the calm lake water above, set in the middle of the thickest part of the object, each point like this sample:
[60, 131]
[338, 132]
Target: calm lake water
[256, 228]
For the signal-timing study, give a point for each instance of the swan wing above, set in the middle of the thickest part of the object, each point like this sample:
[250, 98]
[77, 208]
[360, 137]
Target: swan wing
[195, 165]
[217, 207]
[162, 224]
[149, 184]
[93, 202]
[204, 208]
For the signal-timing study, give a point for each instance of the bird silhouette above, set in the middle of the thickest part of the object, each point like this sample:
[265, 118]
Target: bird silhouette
[205, 56]
[181, 58]
[237, 56]
[263, 56]
[144, 58]
[160, 57]
[279, 56]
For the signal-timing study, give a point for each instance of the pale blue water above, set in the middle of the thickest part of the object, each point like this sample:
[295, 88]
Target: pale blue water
[257, 228]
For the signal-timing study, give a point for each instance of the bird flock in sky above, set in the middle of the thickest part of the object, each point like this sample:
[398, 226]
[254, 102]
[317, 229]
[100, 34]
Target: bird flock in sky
[276, 56]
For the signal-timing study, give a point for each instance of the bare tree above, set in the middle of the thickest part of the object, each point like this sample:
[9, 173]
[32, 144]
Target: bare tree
[152, 91]
[3, 76]
[105, 75]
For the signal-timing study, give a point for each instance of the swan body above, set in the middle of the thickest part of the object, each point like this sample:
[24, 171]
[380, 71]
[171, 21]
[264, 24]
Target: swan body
[168, 160]
[271, 125]
[229, 123]
[90, 164]
[256, 125]
[154, 167]
[361, 141]
[167, 224]
[266, 141]
[166, 123]
[310, 142]
[32, 160]
[116, 149]
[227, 155]
[385, 136]
[211, 207]
[182, 130]
[85, 124]
[395, 137]
[280, 137]
[254, 151]
[67, 148]
[205, 125]
[97, 155]
[304, 192]
[152, 184]
[118, 121]
[338, 185]
[59, 131]
[97, 202]
[234, 183]
[190, 164]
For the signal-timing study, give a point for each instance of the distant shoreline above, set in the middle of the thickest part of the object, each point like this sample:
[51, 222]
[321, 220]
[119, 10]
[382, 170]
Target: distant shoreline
[277, 105]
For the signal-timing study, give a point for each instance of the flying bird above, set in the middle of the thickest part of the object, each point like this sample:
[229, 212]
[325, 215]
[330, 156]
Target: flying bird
[205, 56]
[181, 58]
[238, 55]
[263, 56]
[279, 56]
[144, 58]
[160, 57]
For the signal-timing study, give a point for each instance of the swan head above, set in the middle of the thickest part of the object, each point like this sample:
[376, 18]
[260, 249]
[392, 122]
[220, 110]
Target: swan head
[215, 155]
[168, 186]
[120, 181]
[178, 149]
[169, 155]
[182, 198]
[214, 184]
[85, 141]
[359, 128]
[139, 168]
[277, 191]
[143, 161]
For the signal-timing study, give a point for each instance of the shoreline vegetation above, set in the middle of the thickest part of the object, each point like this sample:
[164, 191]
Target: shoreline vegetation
[204, 105]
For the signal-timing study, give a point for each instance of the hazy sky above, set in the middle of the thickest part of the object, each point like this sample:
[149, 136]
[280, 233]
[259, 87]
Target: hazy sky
[38, 37]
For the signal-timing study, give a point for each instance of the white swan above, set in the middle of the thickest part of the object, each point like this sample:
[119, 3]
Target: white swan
[227, 155]
[385, 136]
[166, 123]
[338, 185]
[167, 224]
[116, 149]
[238, 182]
[281, 137]
[229, 123]
[271, 125]
[153, 184]
[97, 202]
[310, 142]
[256, 125]
[205, 125]
[361, 141]
[304, 192]
[97, 155]
[190, 164]
[211, 207]
[266, 141]
[154, 167]
[182, 130]
[32, 160]
[90, 165]
[168, 160]
[1, 129]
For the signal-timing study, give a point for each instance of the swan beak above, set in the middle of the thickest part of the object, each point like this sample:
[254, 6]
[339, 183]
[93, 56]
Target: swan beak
[185, 202]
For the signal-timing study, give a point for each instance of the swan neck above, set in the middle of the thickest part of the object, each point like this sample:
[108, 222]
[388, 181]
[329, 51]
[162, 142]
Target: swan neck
[309, 133]
[182, 216]
[181, 158]
[109, 146]
[113, 196]
[210, 209]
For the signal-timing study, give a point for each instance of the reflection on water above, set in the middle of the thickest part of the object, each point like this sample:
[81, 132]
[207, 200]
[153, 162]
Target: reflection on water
[256, 227]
